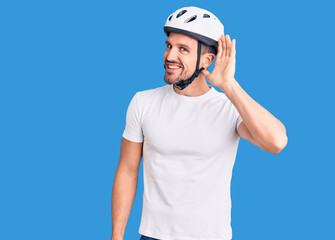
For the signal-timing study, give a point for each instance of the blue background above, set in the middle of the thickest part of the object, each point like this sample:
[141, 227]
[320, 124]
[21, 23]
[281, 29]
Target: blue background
[70, 68]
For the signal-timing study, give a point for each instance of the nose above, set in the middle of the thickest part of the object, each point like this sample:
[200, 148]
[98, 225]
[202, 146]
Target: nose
[172, 55]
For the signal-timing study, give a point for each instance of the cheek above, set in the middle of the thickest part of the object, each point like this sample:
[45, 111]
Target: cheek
[188, 64]
[164, 55]
[192, 64]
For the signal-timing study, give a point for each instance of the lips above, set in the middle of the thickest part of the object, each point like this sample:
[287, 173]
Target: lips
[172, 67]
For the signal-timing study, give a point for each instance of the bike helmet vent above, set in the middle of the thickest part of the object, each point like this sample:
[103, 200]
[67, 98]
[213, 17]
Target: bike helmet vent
[181, 13]
[191, 19]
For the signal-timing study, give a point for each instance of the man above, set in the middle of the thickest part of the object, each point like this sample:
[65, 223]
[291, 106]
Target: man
[188, 133]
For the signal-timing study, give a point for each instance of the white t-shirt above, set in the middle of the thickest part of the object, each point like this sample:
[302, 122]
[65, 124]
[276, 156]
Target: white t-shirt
[189, 149]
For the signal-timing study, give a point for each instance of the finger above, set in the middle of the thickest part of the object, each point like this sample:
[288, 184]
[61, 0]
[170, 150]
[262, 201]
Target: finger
[219, 53]
[234, 47]
[224, 46]
[228, 46]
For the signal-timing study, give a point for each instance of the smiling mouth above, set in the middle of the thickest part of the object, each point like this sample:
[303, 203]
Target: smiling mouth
[172, 67]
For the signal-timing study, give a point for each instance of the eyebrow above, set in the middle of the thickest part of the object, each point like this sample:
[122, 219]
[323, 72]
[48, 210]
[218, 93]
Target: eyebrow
[179, 44]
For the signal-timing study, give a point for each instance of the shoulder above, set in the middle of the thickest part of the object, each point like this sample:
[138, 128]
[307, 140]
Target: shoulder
[220, 97]
[151, 94]
[223, 102]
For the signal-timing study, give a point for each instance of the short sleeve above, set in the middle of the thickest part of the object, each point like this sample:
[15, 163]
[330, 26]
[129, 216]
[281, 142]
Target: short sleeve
[238, 121]
[238, 118]
[133, 129]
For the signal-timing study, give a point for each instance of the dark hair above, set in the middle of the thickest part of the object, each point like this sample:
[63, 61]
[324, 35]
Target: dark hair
[207, 49]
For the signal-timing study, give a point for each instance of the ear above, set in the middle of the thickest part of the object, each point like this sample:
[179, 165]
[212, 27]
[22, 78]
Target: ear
[206, 60]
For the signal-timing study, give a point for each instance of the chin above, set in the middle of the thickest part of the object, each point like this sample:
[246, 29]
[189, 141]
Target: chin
[171, 81]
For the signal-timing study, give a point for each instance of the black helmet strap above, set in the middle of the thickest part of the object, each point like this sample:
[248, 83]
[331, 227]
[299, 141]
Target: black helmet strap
[184, 83]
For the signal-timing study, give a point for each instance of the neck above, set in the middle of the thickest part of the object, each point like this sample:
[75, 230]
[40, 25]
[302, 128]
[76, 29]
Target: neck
[197, 88]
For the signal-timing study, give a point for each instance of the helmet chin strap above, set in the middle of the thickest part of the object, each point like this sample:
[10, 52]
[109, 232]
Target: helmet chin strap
[184, 83]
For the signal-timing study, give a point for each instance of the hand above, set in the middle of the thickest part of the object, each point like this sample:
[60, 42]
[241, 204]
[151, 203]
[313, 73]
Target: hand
[224, 67]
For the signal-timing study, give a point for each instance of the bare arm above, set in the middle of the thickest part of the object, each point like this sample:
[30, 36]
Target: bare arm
[125, 185]
[266, 130]
[259, 126]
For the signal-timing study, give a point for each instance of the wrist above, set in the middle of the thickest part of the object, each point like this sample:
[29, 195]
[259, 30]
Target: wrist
[117, 237]
[228, 85]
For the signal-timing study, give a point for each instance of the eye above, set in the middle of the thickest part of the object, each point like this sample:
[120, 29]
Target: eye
[184, 49]
[168, 45]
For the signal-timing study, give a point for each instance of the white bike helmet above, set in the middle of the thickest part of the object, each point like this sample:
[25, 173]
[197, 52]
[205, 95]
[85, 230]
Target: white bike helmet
[196, 23]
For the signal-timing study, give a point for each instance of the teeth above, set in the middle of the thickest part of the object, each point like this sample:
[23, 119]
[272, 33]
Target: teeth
[174, 67]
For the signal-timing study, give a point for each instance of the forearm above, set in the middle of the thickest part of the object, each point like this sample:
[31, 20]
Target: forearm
[262, 125]
[123, 195]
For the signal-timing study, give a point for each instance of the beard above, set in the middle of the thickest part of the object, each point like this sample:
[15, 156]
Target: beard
[173, 78]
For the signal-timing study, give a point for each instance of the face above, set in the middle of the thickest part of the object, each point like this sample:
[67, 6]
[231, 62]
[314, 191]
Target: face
[180, 57]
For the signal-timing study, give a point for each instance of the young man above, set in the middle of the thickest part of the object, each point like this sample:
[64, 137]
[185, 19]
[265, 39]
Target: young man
[188, 134]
